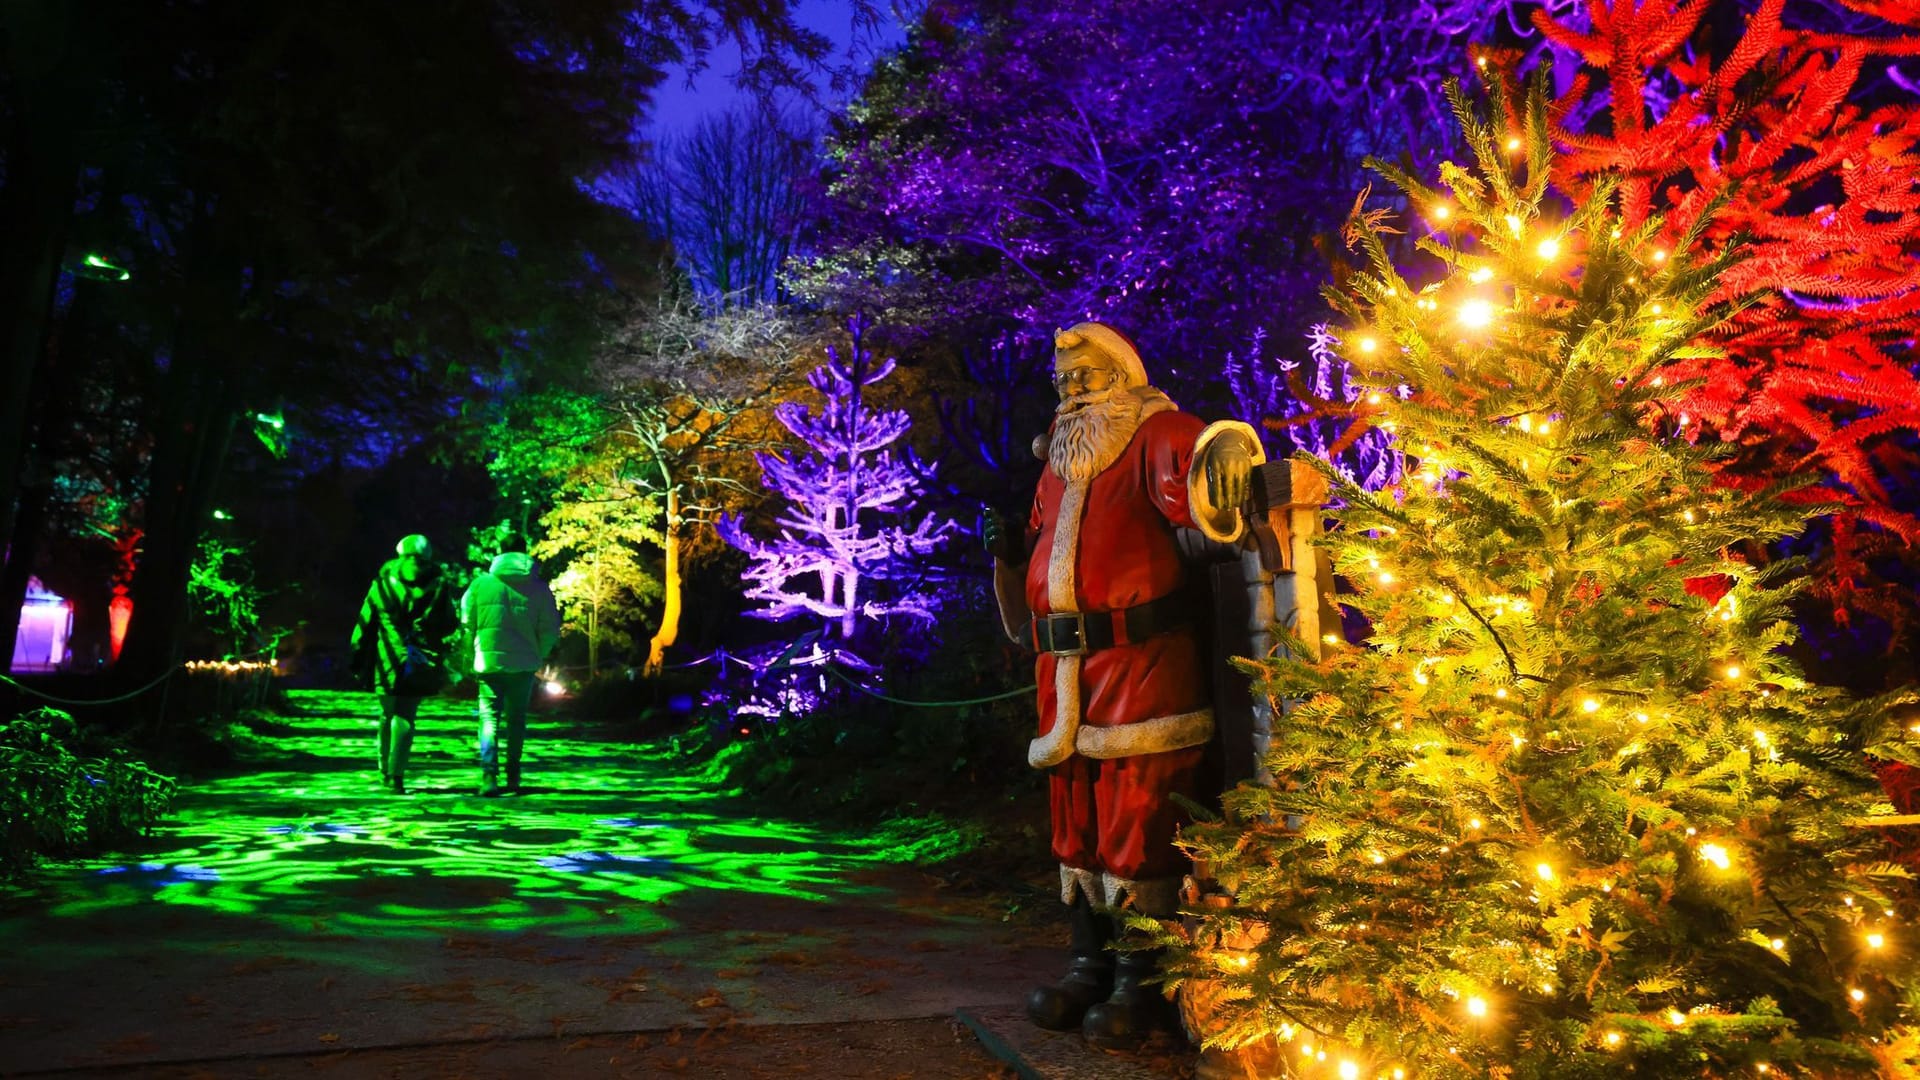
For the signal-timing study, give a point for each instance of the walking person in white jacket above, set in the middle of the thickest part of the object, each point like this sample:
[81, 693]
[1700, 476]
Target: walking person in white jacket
[514, 623]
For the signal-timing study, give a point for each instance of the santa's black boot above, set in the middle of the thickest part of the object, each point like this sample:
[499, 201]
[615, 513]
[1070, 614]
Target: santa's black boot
[1089, 977]
[1137, 1007]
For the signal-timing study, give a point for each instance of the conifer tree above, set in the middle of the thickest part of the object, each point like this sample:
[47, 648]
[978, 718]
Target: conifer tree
[852, 525]
[1570, 812]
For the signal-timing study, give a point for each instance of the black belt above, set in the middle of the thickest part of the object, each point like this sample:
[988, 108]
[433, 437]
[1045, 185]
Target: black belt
[1076, 633]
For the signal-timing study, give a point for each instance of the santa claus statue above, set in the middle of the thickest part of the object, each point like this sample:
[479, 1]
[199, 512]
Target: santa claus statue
[1097, 587]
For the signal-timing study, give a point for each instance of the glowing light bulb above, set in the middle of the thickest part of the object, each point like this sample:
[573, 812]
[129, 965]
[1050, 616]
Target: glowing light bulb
[1514, 224]
[1378, 858]
[1876, 941]
[1676, 1017]
[1477, 1006]
[1857, 994]
[1687, 516]
[1481, 276]
[1659, 380]
[1399, 1074]
[1545, 870]
[1778, 944]
[1616, 234]
[1513, 143]
[1474, 824]
[1546, 988]
[1481, 61]
[1606, 886]
[1548, 248]
[1331, 639]
[1733, 671]
[1613, 1038]
[1760, 738]
[1590, 705]
[1349, 1071]
[1656, 309]
[1500, 692]
[1659, 255]
[1374, 398]
[1368, 344]
[1762, 1068]
[555, 688]
[1716, 855]
[1385, 578]
[1442, 212]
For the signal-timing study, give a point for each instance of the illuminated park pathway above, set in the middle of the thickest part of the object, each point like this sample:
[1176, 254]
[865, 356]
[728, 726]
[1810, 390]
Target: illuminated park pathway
[298, 909]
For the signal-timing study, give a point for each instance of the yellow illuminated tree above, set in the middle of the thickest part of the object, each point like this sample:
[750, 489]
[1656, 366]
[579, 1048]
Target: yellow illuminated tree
[1570, 811]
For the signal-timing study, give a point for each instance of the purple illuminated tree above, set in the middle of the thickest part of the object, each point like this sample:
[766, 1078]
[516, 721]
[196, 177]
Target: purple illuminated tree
[852, 544]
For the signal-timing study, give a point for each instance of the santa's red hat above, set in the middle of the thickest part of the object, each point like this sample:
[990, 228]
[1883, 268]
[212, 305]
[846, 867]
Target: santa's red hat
[1109, 342]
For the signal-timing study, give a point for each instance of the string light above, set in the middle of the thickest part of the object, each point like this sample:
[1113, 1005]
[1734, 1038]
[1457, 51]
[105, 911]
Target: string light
[1442, 212]
[1676, 1017]
[1481, 276]
[1778, 944]
[1876, 941]
[1477, 1006]
[1613, 1038]
[1386, 578]
[1733, 671]
[1545, 870]
[1349, 1071]
[232, 667]
[1514, 224]
[1590, 705]
[1548, 248]
[1500, 692]
[1857, 994]
[1513, 143]
[1368, 345]
[1716, 855]
[1473, 824]
[1659, 255]
[1656, 309]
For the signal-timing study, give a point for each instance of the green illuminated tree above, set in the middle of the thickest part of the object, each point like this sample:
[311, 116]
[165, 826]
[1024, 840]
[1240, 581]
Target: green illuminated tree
[595, 532]
[1571, 811]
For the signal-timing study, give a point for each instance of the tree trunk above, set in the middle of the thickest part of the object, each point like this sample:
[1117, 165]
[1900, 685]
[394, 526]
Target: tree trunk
[28, 525]
[35, 208]
[670, 611]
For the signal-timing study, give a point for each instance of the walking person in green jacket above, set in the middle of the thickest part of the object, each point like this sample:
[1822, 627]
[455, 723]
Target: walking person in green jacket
[398, 643]
[514, 624]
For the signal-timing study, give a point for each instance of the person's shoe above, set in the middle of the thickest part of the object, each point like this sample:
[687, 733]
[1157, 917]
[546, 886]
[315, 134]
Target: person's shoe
[1136, 1009]
[398, 787]
[490, 790]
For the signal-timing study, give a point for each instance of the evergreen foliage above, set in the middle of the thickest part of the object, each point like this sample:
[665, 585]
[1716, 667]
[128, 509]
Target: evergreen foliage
[1570, 812]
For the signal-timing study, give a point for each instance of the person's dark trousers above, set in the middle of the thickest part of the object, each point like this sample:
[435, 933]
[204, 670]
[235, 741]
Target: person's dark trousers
[397, 715]
[503, 715]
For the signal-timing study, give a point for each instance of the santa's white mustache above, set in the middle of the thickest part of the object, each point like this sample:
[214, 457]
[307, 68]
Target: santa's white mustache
[1080, 401]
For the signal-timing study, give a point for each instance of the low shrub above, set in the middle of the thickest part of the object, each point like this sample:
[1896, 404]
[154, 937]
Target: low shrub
[63, 794]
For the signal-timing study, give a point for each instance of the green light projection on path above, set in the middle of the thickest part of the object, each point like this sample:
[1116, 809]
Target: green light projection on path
[603, 839]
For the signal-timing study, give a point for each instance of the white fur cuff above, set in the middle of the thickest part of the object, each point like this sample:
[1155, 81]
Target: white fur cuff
[1221, 524]
[1154, 736]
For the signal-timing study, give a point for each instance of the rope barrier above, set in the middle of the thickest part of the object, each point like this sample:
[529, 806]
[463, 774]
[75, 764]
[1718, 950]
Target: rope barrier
[129, 696]
[835, 672]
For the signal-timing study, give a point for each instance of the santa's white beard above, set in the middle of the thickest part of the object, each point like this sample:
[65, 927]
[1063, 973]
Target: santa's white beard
[1090, 432]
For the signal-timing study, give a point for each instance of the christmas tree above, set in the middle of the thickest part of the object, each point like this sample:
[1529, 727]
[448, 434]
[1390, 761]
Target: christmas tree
[1570, 812]
[851, 526]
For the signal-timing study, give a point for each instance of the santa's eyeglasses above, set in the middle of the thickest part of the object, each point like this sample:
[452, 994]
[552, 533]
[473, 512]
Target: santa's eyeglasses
[1086, 378]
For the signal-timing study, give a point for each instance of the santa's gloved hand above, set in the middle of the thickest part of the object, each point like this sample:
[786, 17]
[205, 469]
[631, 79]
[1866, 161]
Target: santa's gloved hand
[999, 537]
[1229, 468]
